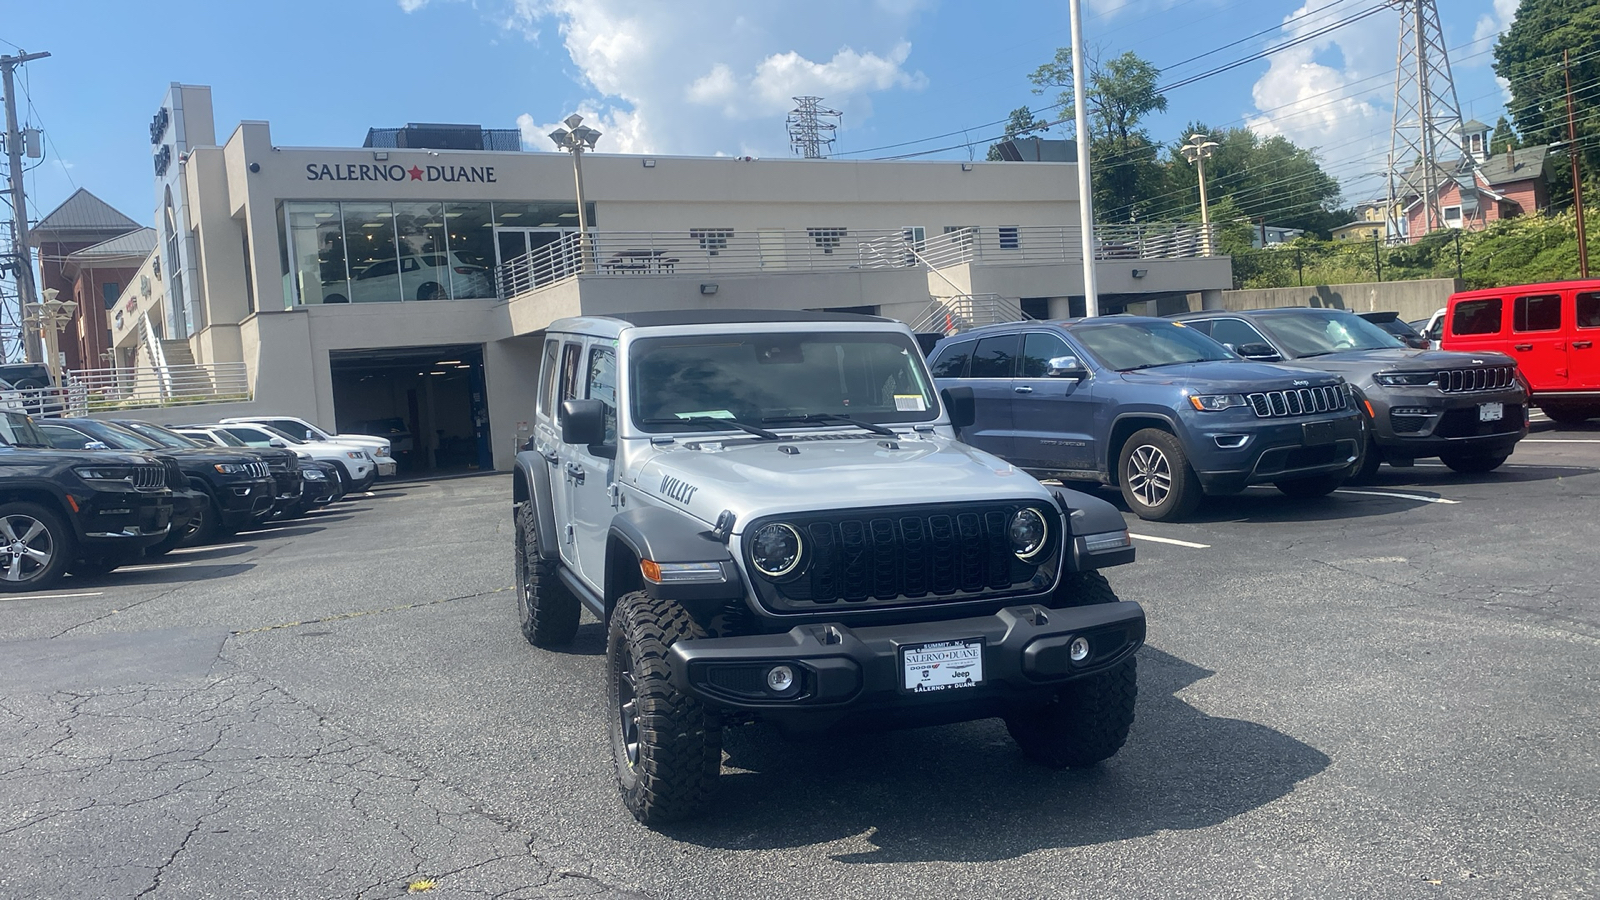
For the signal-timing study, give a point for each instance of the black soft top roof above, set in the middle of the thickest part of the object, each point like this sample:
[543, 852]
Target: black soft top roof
[662, 317]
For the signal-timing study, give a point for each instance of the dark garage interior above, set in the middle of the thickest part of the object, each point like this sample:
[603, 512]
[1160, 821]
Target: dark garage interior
[429, 401]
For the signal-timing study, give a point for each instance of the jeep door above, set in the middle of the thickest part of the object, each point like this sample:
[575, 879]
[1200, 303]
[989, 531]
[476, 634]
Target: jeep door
[1539, 339]
[1053, 419]
[561, 382]
[1583, 358]
[589, 469]
[989, 375]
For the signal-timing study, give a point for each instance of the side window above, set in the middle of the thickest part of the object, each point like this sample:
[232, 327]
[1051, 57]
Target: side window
[994, 357]
[1589, 310]
[1201, 325]
[569, 374]
[1235, 332]
[602, 386]
[250, 436]
[549, 375]
[1038, 348]
[1476, 317]
[65, 438]
[952, 361]
[1538, 313]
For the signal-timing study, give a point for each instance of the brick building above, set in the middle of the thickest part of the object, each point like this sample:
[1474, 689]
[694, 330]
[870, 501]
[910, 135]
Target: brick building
[84, 222]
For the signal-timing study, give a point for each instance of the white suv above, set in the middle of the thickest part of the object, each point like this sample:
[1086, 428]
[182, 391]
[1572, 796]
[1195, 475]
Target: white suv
[300, 428]
[357, 469]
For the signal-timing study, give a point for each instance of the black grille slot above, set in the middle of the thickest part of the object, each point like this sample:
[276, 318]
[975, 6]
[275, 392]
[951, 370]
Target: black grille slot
[175, 477]
[1485, 378]
[1298, 402]
[149, 478]
[1407, 424]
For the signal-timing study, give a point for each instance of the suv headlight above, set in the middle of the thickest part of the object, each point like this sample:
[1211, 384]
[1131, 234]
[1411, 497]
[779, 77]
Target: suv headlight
[355, 454]
[1407, 379]
[231, 468]
[1028, 532]
[104, 473]
[1217, 402]
[312, 474]
[775, 549]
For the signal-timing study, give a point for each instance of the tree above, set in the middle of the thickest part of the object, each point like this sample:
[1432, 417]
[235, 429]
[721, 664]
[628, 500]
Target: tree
[1120, 93]
[1528, 56]
[1263, 178]
[1503, 138]
[1021, 121]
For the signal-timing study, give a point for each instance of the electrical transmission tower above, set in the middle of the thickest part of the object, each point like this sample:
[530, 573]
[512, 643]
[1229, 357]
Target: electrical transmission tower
[1425, 143]
[810, 134]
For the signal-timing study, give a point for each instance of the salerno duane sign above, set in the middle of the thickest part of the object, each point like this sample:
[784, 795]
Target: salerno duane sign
[398, 172]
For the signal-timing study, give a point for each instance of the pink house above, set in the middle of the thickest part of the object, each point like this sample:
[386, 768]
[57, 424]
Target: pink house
[1494, 187]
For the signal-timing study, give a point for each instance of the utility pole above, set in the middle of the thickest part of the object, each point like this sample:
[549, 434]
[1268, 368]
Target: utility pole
[1427, 118]
[1577, 185]
[810, 131]
[22, 253]
[1080, 118]
[1197, 149]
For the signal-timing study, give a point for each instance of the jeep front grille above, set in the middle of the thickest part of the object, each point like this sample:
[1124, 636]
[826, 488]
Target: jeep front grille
[1485, 378]
[1299, 401]
[149, 478]
[175, 477]
[257, 470]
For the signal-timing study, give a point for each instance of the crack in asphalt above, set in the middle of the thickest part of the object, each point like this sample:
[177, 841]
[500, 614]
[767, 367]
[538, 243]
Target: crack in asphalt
[338, 617]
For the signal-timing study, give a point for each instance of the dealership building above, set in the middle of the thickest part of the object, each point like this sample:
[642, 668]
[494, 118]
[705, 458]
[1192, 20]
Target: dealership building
[404, 285]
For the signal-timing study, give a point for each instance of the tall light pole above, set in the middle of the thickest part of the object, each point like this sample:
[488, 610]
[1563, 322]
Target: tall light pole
[19, 198]
[580, 138]
[1080, 119]
[1197, 150]
[51, 315]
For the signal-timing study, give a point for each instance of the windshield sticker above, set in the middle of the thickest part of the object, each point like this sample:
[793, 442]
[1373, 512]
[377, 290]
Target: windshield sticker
[910, 403]
[681, 491]
[706, 414]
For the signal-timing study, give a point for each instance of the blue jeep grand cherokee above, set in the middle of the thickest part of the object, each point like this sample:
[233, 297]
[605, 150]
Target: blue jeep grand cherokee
[1155, 408]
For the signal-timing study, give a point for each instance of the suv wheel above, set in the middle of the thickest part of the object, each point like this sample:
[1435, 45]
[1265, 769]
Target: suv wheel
[549, 611]
[205, 526]
[1086, 722]
[1308, 488]
[1371, 459]
[1473, 463]
[1563, 414]
[666, 748]
[35, 547]
[1157, 481]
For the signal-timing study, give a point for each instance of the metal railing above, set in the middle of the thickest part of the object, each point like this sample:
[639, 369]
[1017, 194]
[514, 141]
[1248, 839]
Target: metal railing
[1041, 244]
[107, 390]
[949, 315]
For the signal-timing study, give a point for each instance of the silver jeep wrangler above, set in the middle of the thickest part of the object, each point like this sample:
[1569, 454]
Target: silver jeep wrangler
[771, 515]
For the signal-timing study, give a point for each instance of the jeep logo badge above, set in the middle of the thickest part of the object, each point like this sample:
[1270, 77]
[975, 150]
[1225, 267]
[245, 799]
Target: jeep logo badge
[1299, 383]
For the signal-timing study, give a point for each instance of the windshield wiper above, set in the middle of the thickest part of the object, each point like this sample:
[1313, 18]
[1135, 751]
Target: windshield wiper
[828, 418]
[1186, 362]
[716, 421]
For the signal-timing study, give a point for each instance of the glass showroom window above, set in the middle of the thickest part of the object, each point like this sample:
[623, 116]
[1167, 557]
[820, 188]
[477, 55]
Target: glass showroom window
[470, 236]
[425, 267]
[316, 243]
[371, 252]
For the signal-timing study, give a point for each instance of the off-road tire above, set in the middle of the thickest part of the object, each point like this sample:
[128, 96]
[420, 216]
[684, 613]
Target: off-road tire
[1082, 589]
[58, 542]
[1312, 487]
[666, 747]
[1155, 454]
[1086, 722]
[1473, 463]
[548, 610]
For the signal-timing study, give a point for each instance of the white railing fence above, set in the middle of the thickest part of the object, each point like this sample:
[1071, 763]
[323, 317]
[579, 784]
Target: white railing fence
[107, 390]
[949, 315]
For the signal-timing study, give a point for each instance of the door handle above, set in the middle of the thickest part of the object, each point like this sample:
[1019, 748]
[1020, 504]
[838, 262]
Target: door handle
[1522, 347]
[1023, 389]
[1582, 345]
[575, 472]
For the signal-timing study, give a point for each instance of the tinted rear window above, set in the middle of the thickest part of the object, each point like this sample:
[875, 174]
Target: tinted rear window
[1589, 310]
[1476, 317]
[995, 357]
[952, 361]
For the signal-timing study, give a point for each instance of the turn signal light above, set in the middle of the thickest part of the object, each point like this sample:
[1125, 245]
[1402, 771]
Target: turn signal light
[650, 569]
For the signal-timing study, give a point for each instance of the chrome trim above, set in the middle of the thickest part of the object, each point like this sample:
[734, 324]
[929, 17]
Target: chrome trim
[1298, 401]
[1478, 378]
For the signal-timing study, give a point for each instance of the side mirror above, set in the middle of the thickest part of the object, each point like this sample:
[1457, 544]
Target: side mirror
[280, 443]
[1258, 352]
[1417, 342]
[1066, 367]
[583, 422]
[310, 436]
[961, 405]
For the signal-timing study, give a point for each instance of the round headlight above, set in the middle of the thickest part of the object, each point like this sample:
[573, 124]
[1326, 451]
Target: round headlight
[775, 549]
[1028, 533]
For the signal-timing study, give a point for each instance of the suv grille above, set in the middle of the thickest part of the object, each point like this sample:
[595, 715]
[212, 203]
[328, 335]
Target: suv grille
[149, 478]
[175, 477]
[887, 556]
[257, 470]
[1298, 402]
[1487, 378]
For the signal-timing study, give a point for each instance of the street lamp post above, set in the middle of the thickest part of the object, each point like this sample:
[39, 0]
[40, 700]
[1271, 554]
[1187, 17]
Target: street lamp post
[51, 315]
[1197, 150]
[579, 138]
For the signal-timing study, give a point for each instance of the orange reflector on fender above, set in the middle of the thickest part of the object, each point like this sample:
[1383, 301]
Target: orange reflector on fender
[651, 570]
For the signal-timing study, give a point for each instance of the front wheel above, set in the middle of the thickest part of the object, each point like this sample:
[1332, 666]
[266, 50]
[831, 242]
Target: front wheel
[1086, 722]
[548, 610]
[35, 547]
[1371, 459]
[1157, 481]
[665, 746]
[1473, 464]
[1308, 488]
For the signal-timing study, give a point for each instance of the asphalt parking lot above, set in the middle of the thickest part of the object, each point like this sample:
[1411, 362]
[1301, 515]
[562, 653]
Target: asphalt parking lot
[1389, 692]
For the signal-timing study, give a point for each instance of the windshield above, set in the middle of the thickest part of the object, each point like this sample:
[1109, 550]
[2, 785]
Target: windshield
[873, 377]
[18, 430]
[1316, 334]
[161, 436]
[224, 438]
[1125, 346]
[113, 436]
[280, 434]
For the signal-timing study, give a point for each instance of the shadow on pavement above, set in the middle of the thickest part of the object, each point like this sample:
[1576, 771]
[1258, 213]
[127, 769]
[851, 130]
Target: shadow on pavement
[964, 793]
[175, 572]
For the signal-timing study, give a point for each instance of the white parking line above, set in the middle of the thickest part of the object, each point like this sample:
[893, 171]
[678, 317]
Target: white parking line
[65, 596]
[153, 567]
[1166, 540]
[1398, 496]
[1561, 440]
[205, 547]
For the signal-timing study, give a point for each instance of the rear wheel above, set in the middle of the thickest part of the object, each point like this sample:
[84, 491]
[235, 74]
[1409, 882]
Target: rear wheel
[1575, 414]
[1307, 488]
[430, 290]
[1086, 722]
[1157, 481]
[665, 746]
[549, 611]
[35, 547]
[1473, 464]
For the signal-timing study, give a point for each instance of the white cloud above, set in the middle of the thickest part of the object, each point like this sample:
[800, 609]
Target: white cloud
[412, 6]
[1495, 24]
[702, 78]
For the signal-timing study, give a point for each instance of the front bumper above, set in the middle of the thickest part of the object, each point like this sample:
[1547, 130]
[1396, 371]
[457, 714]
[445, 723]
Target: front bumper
[386, 467]
[110, 521]
[1418, 423]
[855, 674]
[1229, 456]
[246, 501]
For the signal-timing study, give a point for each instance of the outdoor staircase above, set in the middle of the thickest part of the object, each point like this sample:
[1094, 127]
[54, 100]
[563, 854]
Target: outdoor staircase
[948, 315]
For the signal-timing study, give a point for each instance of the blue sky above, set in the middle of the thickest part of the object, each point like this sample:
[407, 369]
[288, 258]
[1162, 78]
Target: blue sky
[695, 78]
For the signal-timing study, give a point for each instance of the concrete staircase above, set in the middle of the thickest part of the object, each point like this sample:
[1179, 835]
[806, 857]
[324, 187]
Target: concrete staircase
[184, 377]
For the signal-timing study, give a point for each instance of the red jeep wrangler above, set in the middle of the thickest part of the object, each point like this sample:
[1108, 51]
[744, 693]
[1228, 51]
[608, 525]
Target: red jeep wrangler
[1549, 329]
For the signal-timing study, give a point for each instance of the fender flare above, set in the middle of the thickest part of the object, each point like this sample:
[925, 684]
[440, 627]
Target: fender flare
[537, 472]
[667, 536]
[1086, 515]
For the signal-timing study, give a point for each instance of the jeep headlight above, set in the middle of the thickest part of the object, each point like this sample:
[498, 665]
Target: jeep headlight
[231, 468]
[1217, 402]
[1028, 533]
[775, 549]
[1407, 379]
[104, 473]
[312, 474]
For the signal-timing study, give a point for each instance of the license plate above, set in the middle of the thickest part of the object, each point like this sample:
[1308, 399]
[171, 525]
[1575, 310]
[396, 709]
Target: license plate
[1317, 433]
[1491, 412]
[942, 666]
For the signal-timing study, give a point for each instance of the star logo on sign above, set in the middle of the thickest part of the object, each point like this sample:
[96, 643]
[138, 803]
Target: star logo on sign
[416, 173]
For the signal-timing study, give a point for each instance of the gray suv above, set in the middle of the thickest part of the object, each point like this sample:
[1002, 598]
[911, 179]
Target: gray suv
[771, 515]
[1150, 406]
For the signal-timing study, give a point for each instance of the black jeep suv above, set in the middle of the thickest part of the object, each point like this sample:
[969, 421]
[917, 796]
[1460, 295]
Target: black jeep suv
[61, 509]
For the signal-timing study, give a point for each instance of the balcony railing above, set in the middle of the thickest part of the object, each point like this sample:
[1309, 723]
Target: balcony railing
[714, 251]
[107, 390]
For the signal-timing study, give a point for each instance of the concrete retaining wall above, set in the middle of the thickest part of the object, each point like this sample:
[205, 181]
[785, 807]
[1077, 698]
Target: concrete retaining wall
[1411, 299]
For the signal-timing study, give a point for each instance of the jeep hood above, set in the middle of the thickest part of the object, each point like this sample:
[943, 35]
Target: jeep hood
[758, 478]
[1353, 364]
[1229, 377]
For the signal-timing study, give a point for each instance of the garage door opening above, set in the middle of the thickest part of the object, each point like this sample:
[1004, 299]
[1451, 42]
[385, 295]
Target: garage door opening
[429, 401]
